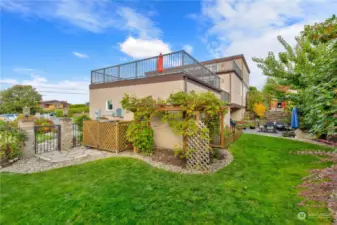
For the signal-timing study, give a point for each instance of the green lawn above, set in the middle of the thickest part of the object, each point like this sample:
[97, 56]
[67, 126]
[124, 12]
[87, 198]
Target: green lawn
[257, 188]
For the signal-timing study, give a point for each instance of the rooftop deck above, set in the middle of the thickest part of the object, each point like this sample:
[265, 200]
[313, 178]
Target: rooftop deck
[173, 63]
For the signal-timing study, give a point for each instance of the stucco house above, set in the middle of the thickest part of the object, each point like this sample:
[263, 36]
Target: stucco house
[54, 104]
[227, 78]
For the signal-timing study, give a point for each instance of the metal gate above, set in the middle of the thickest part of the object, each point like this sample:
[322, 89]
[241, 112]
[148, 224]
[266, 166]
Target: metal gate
[47, 138]
[77, 135]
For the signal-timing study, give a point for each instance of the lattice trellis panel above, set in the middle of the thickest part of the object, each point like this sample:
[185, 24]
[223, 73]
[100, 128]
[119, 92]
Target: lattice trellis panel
[108, 136]
[199, 159]
[90, 133]
[123, 143]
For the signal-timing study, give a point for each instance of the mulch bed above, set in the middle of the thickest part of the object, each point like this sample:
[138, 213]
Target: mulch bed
[167, 156]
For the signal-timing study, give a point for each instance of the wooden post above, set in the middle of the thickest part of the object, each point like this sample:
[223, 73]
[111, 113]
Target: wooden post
[222, 130]
[117, 137]
[184, 136]
[197, 115]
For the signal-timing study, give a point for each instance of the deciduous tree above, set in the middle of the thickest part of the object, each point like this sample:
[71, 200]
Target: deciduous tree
[311, 69]
[17, 97]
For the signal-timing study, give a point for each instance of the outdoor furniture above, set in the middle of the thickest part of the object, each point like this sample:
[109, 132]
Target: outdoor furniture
[268, 127]
[280, 126]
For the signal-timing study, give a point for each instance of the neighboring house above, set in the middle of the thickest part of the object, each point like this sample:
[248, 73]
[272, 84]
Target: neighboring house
[54, 104]
[279, 104]
[178, 72]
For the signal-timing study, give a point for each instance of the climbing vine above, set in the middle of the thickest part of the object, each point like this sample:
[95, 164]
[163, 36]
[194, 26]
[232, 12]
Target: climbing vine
[181, 122]
[139, 132]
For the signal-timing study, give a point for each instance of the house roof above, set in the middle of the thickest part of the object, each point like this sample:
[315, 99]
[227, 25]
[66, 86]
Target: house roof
[54, 101]
[228, 58]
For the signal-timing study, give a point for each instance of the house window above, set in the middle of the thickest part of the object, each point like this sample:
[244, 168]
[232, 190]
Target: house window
[109, 105]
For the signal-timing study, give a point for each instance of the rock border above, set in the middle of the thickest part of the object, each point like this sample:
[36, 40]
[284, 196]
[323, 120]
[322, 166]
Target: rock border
[38, 164]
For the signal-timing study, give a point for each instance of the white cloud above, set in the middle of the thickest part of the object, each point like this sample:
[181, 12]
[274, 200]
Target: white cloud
[142, 48]
[27, 71]
[251, 27]
[73, 91]
[91, 15]
[138, 23]
[80, 55]
[188, 48]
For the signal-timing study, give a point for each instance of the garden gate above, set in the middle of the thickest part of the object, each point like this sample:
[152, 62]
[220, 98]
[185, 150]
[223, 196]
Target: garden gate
[47, 138]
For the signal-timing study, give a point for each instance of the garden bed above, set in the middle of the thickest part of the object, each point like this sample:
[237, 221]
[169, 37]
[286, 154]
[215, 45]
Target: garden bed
[166, 156]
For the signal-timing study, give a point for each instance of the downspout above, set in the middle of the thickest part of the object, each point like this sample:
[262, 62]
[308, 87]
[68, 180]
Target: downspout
[185, 83]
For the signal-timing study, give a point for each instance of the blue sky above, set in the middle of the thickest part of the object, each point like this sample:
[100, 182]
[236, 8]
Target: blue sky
[53, 45]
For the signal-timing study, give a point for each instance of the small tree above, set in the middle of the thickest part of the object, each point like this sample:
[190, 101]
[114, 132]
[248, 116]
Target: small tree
[259, 109]
[19, 96]
[254, 96]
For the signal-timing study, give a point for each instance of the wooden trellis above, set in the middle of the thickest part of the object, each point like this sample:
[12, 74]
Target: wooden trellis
[110, 136]
[199, 158]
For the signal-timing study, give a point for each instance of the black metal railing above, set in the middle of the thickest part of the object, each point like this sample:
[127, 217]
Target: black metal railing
[77, 135]
[47, 138]
[174, 62]
[237, 69]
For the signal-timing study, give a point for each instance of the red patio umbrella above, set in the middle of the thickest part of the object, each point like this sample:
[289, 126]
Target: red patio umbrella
[160, 66]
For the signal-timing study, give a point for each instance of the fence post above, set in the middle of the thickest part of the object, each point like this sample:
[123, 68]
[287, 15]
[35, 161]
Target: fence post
[118, 137]
[28, 149]
[66, 133]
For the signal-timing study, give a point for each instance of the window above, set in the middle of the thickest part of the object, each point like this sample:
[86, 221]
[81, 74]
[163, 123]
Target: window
[109, 105]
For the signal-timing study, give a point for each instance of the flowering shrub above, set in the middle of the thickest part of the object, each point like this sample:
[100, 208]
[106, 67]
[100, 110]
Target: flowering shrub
[259, 109]
[11, 140]
[44, 122]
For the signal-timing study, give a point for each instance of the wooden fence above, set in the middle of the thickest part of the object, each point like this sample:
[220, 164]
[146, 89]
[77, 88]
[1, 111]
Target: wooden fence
[110, 136]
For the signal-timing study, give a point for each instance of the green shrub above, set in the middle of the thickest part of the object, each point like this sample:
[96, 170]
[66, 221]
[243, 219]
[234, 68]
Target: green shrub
[75, 106]
[72, 111]
[11, 140]
[47, 110]
[78, 120]
[59, 113]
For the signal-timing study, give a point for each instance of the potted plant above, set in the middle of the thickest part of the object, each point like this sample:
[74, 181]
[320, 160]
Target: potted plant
[252, 126]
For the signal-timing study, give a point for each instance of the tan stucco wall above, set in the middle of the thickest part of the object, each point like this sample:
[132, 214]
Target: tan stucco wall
[192, 86]
[224, 81]
[237, 114]
[98, 97]
[244, 97]
[163, 135]
[236, 93]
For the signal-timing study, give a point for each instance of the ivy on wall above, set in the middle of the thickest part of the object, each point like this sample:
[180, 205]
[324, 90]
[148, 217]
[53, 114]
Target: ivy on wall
[181, 122]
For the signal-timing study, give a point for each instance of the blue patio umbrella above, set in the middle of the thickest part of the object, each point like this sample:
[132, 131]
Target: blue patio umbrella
[294, 119]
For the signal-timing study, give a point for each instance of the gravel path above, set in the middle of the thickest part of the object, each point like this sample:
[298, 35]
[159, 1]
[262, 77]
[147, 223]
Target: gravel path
[36, 164]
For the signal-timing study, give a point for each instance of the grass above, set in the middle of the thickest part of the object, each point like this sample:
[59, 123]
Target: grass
[259, 187]
[42, 137]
